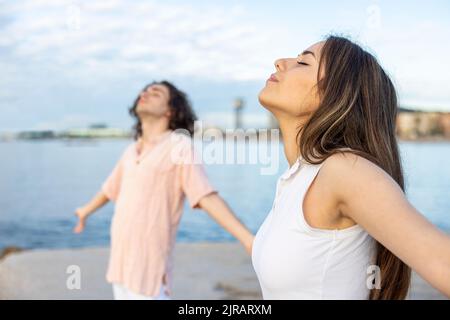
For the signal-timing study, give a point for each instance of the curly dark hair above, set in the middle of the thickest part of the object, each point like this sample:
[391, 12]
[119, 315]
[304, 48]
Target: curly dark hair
[183, 116]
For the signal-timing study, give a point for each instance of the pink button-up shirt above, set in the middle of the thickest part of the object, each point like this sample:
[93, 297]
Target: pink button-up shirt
[148, 188]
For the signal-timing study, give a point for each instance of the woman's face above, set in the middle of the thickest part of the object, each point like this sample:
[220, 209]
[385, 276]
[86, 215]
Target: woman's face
[154, 100]
[292, 90]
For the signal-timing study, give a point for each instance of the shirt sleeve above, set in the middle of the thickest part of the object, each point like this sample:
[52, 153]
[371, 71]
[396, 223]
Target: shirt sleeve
[194, 181]
[111, 186]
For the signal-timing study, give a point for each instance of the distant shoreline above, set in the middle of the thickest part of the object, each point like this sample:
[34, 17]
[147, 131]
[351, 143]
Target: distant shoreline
[86, 139]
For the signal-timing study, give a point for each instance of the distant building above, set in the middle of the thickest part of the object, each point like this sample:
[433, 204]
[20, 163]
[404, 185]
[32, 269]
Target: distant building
[95, 131]
[444, 122]
[98, 126]
[36, 134]
[419, 124]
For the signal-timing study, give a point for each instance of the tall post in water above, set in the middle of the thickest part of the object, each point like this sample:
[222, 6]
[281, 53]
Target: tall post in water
[238, 106]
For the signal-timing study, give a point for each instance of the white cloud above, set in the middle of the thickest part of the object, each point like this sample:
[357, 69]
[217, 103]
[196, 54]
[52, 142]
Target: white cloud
[113, 37]
[90, 42]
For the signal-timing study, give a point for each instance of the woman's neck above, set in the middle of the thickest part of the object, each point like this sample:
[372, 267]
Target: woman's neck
[289, 130]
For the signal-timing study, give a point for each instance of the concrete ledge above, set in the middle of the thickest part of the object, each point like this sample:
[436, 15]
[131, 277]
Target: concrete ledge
[202, 271]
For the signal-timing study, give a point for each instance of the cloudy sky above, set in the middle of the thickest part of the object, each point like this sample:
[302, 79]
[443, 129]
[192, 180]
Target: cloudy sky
[67, 64]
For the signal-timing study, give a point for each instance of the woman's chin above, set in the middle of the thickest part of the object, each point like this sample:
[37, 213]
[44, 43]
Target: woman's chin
[264, 100]
[262, 97]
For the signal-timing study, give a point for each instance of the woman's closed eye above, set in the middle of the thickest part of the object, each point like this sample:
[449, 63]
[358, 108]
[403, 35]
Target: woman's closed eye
[302, 63]
[153, 92]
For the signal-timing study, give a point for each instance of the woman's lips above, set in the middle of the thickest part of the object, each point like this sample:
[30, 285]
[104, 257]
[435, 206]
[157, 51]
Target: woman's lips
[272, 78]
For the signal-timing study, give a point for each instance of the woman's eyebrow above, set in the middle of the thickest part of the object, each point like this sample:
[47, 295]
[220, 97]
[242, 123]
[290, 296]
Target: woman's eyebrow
[307, 52]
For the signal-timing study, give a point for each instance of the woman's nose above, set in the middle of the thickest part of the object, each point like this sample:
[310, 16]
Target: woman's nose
[279, 64]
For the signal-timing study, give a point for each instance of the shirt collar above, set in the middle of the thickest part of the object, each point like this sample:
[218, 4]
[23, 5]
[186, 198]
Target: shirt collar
[152, 140]
[292, 169]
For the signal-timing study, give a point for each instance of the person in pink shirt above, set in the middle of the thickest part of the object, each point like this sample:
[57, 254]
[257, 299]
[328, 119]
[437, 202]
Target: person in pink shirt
[148, 186]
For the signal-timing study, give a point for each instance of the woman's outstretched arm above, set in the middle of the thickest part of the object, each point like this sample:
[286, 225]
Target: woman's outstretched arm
[369, 196]
[98, 201]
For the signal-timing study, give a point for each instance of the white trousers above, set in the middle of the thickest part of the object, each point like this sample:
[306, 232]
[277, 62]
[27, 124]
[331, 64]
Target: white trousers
[122, 293]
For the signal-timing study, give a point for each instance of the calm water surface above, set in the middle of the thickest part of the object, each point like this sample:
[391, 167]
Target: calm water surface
[42, 182]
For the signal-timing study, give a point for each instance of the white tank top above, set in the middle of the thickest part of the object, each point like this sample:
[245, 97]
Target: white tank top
[296, 261]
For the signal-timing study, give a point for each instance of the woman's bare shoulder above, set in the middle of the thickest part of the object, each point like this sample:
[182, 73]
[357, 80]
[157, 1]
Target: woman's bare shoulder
[347, 171]
[347, 163]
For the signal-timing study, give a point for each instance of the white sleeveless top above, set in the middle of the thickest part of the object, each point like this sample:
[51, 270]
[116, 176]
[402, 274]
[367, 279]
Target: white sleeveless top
[296, 261]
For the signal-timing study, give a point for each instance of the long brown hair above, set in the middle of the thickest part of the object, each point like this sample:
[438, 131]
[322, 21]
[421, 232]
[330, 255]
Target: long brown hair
[358, 109]
[182, 116]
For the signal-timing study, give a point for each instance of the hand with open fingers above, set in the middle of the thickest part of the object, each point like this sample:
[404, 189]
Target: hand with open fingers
[82, 217]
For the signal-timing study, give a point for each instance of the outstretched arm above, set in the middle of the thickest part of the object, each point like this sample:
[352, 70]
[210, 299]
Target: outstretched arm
[98, 201]
[369, 196]
[216, 207]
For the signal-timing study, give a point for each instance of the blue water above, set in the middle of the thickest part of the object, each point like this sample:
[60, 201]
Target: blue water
[42, 182]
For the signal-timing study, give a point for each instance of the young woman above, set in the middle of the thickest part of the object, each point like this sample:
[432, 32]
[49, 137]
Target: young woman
[148, 185]
[340, 218]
